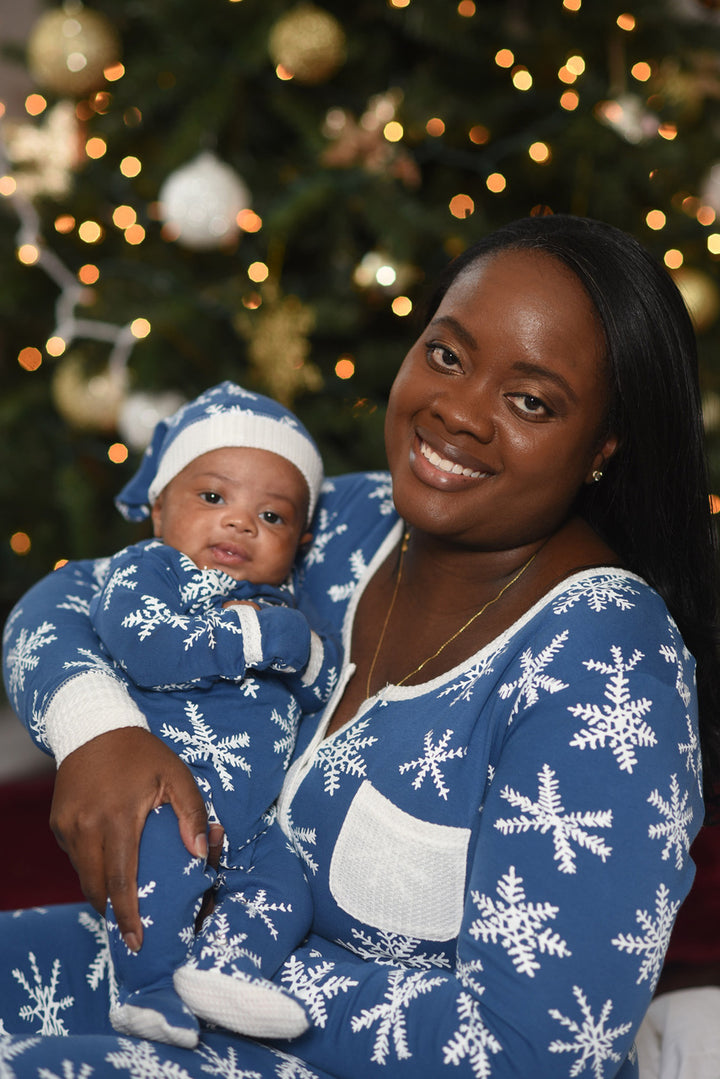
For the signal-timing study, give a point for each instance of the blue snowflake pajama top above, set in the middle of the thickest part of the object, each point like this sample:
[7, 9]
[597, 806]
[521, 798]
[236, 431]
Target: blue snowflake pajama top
[223, 687]
[496, 857]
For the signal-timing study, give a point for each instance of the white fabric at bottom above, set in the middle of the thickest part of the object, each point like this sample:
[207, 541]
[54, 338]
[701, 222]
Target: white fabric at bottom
[680, 1036]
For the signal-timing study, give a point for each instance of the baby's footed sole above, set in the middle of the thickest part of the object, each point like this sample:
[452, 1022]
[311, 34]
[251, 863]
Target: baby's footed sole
[241, 1002]
[156, 1014]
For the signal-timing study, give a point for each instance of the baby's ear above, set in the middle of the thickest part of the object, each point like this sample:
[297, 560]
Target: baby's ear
[156, 515]
[305, 540]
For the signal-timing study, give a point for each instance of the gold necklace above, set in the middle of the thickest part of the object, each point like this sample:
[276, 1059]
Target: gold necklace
[454, 636]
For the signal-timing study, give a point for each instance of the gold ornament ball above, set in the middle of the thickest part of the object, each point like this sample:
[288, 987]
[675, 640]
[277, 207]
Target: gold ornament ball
[69, 49]
[700, 294]
[309, 43]
[88, 401]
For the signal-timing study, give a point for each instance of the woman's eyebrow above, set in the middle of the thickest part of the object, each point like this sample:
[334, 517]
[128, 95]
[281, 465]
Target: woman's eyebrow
[464, 334]
[537, 370]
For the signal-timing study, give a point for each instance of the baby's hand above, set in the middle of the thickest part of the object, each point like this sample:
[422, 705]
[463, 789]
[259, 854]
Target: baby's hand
[241, 603]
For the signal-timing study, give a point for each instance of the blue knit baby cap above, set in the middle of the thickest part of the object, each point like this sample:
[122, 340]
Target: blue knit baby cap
[225, 415]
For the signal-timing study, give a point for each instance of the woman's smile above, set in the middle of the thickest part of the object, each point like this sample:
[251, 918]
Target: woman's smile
[451, 468]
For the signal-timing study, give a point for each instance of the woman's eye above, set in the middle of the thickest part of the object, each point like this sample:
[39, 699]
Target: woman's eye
[212, 497]
[442, 357]
[529, 404]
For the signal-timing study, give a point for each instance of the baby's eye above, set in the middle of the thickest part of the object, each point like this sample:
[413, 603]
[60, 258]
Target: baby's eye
[441, 357]
[270, 517]
[212, 497]
[530, 405]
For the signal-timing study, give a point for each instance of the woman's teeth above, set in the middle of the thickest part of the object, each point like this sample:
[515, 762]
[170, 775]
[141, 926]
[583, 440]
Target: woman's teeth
[448, 466]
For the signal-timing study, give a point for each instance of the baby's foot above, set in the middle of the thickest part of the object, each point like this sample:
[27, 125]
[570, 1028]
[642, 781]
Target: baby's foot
[158, 1014]
[241, 1002]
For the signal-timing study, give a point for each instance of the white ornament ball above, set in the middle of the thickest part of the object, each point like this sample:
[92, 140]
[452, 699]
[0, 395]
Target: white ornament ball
[141, 412]
[88, 402]
[200, 201]
[69, 49]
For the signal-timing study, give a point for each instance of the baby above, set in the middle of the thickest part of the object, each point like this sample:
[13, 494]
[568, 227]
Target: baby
[202, 622]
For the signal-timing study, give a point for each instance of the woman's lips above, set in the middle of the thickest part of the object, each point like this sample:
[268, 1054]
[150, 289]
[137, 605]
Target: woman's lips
[446, 465]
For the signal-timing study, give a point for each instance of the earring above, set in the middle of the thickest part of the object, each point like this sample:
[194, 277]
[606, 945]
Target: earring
[597, 475]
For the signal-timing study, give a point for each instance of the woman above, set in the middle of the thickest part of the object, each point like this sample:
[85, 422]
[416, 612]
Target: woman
[496, 807]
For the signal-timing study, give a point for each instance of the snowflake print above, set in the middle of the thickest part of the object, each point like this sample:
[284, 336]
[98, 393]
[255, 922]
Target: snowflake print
[691, 751]
[100, 965]
[291, 1068]
[517, 925]
[599, 593]
[533, 679]
[678, 654]
[122, 577]
[301, 838]
[678, 816]
[338, 593]
[68, 1071]
[548, 814]
[465, 973]
[200, 744]
[619, 723]
[250, 687]
[403, 989]
[259, 907]
[23, 655]
[383, 492]
[289, 725]
[89, 661]
[141, 1061]
[429, 764]
[465, 686]
[154, 614]
[593, 1040]
[393, 949]
[36, 724]
[472, 1041]
[45, 1006]
[325, 534]
[75, 603]
[653, 944]
[342, 755]
[226, 1067]
[314, 986]
[10, 1047]
[223, 947]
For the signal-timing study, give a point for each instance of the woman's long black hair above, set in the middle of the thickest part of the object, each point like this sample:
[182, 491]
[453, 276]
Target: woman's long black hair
[652, 505]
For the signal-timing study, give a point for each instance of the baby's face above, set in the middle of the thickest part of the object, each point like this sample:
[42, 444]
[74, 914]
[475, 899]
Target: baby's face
[238, 510]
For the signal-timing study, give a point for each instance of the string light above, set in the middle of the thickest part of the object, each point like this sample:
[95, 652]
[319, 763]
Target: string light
[496, 183]
[655, 220]
[257, 272]
[673, 258]
[118, 453]
[626, 22]
[401, 306]
[345, 367]
[20, 543]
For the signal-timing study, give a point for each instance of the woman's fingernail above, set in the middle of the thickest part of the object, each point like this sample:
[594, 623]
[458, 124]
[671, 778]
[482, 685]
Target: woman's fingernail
[201, 846]
[132, 942]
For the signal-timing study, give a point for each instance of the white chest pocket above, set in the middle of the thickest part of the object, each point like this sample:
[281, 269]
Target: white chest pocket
[395, 872]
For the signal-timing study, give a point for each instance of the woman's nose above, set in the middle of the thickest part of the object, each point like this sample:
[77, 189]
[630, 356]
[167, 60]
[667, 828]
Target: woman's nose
[468, 410]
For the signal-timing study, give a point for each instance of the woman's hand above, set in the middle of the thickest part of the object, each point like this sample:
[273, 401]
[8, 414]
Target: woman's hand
[103, 792]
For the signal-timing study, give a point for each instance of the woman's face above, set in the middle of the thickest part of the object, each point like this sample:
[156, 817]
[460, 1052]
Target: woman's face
[497, 415]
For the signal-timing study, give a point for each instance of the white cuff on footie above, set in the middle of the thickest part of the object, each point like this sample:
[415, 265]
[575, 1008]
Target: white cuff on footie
[90, 704]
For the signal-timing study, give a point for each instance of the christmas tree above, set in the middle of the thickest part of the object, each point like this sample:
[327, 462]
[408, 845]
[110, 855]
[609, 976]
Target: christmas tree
[261, 190]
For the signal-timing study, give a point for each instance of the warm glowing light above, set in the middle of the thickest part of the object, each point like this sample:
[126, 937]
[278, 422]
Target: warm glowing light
[60, 563]
[673, 258]
[124, 216]
[399, 3]
[118, 453]
[641, 71]
[479, 134]
[567, 76]
[714, 504]
[134, 235]
[345, 367]
[626, 21]
[435, 127]
[401, 306]
[2, 108]
[140, 327]
[35, 104]
[667, 131]
[466, 8]
[90, 232]
[101, 101]
[656, 220]
[95, 148]
[130, 166]
[496, 182]
[249, 221]
[283, 73]
[713, 243]
[540, 152]
[132, 116]
[8, 185]
[258, 271]
[569, 100]
[572, 5]
[88, 274]
[393, 131]
[20, 543]
[521, 78]
[252, 301]
[64, 223]
[576, 64]
[28, 254]
[30, 358]
[705, 215]
[386, 275]
[504, 58]
[461, 206]
[114, 72]
[55, 346]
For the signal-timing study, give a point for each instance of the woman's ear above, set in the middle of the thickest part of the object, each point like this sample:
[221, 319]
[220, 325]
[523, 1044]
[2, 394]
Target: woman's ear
[156, 515]
[601, 458]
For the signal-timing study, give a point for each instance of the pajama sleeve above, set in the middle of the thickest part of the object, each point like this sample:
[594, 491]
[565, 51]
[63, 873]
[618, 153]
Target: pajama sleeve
[578, 867]
[58, 678]
[140, 618]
